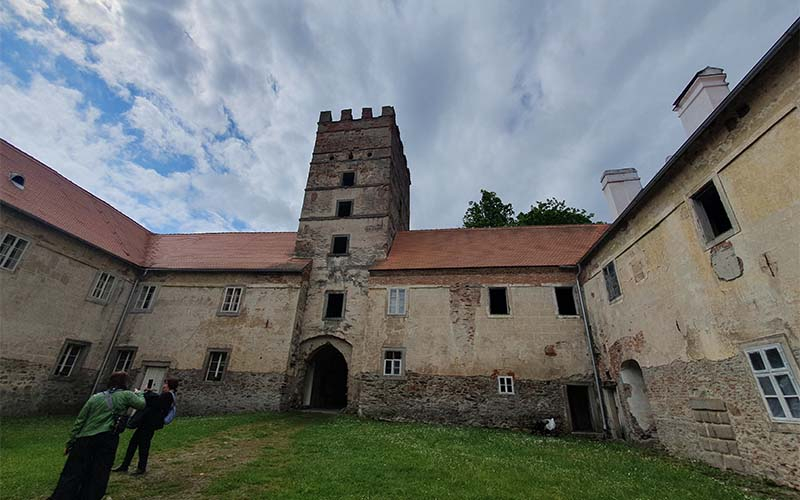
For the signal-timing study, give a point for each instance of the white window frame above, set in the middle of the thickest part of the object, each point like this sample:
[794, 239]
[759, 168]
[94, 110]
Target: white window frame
[769, 373]
[393, 367]
[232, 298]
[395, 298]
[505, 384]
[126, 365]
[145, 298]
[8, 261]
[73, 351]
[218, 367]
[103, 287]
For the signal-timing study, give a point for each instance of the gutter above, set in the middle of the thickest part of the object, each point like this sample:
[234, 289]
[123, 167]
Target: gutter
[591, 352]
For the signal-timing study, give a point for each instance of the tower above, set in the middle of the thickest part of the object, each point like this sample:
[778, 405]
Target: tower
[356, 199]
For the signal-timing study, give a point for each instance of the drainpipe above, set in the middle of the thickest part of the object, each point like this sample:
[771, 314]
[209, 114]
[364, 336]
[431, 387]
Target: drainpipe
[591, 351]
[118, 329]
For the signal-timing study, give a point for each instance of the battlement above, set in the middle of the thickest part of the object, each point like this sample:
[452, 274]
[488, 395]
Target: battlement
[347, 115]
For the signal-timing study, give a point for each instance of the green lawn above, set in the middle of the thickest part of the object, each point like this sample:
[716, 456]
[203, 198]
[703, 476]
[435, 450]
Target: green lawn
[310, 456]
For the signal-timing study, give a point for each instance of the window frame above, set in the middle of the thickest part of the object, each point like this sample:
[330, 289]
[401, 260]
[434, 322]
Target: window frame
[612, 264]
[136, 305]
[788, 369]
[701, 217]
[77, 364]
[106, 295]
[325, 316]
[574, 301]
[401, 360]
[239, 305]
[117, 352]
[507, 290]
[207, 364]
[333, 241]
[352, 209]
[389, 291]
[5, 258]
[341, 179]
[509, 386]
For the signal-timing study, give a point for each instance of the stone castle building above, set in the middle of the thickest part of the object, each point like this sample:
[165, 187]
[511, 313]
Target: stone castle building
[677, 324]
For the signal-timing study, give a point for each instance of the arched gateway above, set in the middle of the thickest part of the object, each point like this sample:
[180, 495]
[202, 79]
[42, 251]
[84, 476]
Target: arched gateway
[325, 379]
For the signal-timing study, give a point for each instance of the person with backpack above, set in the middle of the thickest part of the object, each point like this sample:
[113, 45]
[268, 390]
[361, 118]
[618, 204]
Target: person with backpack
[160, 410]
[93, 441]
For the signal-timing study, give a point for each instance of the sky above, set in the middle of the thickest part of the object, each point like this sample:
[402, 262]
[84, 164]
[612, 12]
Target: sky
[201, 116]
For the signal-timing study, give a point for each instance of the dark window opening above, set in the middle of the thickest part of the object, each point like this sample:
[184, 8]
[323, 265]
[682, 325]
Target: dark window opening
[714, 217]
[612, 283]
[348, 179]
[18, 180]
[340, 245]
[566, 301]
[334, 308]
[344, 208]
[580, 409]
[498, 301]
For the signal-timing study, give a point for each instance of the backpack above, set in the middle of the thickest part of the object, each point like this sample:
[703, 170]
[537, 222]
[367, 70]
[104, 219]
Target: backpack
[119, 421]
[172, 410]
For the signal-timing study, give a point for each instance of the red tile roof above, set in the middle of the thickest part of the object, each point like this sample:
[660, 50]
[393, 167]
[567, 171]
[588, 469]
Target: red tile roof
[527, 246]
[55, 200]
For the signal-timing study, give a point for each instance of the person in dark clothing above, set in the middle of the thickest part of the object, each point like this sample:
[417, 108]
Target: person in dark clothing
[93, 443]
[158, 405]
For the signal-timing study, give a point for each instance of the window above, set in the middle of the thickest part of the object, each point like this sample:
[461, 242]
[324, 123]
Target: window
[715, 221]
[18, 180]
[340, 245]
[498, 301]
[231, 300]
[334, 305]
[393, 363]
[69, 358]
[776, 381]
[348, 179]
[344, 208]
[124, 360]
[217, 361]
[11, 251]
[505, 384]
[103, 286]
[612, 283]
[565, 299]
[145, 299]
[397, 301]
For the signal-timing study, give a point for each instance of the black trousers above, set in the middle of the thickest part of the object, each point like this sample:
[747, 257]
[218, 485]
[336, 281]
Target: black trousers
[85, 474]
[140, 439]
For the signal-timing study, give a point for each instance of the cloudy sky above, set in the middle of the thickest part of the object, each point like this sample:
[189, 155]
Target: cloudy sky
[200, 116]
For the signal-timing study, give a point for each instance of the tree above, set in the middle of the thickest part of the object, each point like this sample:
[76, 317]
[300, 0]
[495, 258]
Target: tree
[553, 212]
[489, 212]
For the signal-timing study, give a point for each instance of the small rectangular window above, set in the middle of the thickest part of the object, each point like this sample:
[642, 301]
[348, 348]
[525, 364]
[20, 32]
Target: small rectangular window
[612, 283]
[231, 300]
[344, 208]
[103, 286]
[565, 299]
[340, 245]
[69, 358]
[348, 179]
[714, 218]
[498, 301]
[334, 305]
[217, 361]
[505, 384]
[145, 298]
[11, 250]
[124, 360]
[397, 301]
[392, 363]
[776, 381]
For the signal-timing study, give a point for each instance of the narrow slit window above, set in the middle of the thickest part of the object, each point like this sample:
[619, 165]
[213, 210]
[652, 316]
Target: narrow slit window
[334, 305]
[776, 381]
[231, 300]
[103, 286]
[340, 245]
[11, 250]
[144, 301]
[344, 208]
[217, 361]
[565, 299]
[124, 360]
[714, 218]
[397, 301]
[348, 179]
[612, 283]
[392, 363]
[68, 359]
[505, 384]
[498, 301]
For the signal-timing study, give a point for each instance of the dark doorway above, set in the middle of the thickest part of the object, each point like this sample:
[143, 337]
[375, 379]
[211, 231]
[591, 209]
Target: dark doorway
[580, 409]
[328, 372]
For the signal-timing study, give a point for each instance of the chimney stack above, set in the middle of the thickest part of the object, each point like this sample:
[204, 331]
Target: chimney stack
[703, 93]
[620, 187]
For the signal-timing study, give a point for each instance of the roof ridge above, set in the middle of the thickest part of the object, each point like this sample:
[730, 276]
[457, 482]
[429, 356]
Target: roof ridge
[502, 227]
[224, 232]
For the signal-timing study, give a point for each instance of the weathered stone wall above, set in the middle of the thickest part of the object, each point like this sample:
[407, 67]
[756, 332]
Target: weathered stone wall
[43, 303]
[237, 392]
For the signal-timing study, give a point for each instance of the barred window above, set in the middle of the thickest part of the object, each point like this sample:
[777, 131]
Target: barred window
[231, 300]
[217, 361]
[505, 384]
[103, 286]
[397, 301]
[11, 250]
[777, 382]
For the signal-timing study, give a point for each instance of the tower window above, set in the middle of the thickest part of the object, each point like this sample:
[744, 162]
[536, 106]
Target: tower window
[565, 300]
[715, 221]
[612, 283]
[340, 245]
[348, 179]
[498, 301]
[334, 305]
[344, 208]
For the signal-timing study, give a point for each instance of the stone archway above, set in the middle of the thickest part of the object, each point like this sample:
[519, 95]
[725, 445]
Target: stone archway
[325, 383]
[636, 398]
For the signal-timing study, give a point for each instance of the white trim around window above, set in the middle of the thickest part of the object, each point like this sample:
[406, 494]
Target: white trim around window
[505, 384]
[103, 287]
[70, 358]
[145, 298]
[776, 381]
[11, 249]
[232, 298]
[397, 301]
[217, 362]
[394, 362]
[124, 359]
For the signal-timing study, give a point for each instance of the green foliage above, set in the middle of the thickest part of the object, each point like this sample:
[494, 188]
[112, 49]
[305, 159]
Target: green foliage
[489, 212]
[553, 212]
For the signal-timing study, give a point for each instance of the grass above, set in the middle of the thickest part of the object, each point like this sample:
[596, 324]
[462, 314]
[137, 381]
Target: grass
[301, 456]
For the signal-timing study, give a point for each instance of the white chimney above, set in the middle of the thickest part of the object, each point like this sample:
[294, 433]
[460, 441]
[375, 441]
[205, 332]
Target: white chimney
[620, 187]
[705, 91]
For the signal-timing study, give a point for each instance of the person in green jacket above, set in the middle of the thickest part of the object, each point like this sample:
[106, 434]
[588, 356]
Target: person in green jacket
[92, 444]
